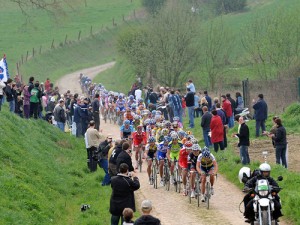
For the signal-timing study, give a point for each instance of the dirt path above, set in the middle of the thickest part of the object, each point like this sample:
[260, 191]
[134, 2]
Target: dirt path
[170, 207]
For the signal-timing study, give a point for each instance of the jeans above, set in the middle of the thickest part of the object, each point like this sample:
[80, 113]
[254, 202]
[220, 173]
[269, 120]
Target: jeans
[26, 109]
[191, 116]
[115, 220]
[260, 124]
[12, 106]
[281, 155]
[206, 138]
[231, 121]
[178, 113]
[217, 144]
[61, 126]
[197, 112]
[97, 120]
[78, 129]
[103, 163]
[245, 159]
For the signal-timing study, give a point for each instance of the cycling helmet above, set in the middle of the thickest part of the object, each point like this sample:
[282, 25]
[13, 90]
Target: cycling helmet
[188, 144]
[244, 172]
[194, 141]
[136, 117]
[145, 112]
[166, 139]
[174, 136]
[120, 97]
[265, 167]
[181, 133]
[190, 137]
[131, 97]
[146, 122]
[152, 122]
[133, 106]
[151, 139]
[126, 122]
[164, 132]
[205, 152]
[168, 124]
[140, 100]
[157, 112]
[197, 147]
[153, 112]
[176, 118]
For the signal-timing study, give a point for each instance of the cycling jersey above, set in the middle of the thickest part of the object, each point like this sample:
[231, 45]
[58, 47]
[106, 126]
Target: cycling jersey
[129, 103]
[126, 131]
[162, 151]
[175, 149]
[183, 158]
[206, 164]
[139, 138]
[128, 116]
[192, 161]
[121, 104]
[151, 150]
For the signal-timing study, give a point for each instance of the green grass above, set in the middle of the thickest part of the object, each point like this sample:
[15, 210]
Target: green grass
[290, 196]
[21, 34]
[44, 177]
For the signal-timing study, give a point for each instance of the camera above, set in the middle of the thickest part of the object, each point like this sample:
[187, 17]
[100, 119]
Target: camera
[84, 207]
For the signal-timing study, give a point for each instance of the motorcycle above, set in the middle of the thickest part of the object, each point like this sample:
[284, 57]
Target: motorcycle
[263, 202]
[246, 114]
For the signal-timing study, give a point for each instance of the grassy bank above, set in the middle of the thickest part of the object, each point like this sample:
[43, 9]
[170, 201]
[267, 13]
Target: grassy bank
[44, 177]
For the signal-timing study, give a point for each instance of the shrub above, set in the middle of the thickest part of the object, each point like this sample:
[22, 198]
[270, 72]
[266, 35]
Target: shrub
[228, 6]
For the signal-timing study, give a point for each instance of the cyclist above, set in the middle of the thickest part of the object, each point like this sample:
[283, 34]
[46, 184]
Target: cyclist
[139, 142]
[173, 153]
[182, 136]
[150, 154]
[183, 163]
[137, 121]
[192, 162]
[206, 164]
[128, 115]
[162, 150]
[130, 101]
[120, 105]
[126, 131]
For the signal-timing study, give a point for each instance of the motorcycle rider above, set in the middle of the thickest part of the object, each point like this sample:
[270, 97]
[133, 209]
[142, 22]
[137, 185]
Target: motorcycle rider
[265, 170]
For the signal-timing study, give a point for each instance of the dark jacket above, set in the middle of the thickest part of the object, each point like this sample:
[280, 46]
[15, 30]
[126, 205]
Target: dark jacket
[77, 114]
[205, 120]
[9, 93]
[243, 135]
[147, 220]
[280, 136]
[252, 182]
[122, 195]
[104, 148]
[261, 110]
[189, 99]
[233, 104]
[59, 114]
[95, 105]
[208, 99]
[153, 98]
[124, 157]
[114, 155]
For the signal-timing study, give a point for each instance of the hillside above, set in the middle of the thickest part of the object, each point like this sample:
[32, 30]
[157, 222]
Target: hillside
[44, 178]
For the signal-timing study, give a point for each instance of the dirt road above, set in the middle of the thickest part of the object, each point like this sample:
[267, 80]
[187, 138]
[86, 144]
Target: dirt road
[170, 207]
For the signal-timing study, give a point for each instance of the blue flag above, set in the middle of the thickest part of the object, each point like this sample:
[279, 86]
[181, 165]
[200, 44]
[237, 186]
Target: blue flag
[4, 75]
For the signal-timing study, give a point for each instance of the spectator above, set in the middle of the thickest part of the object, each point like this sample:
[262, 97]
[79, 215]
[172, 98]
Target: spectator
[103, 158]
[112, 166]
[77, 118]
[189, 98]
[2, 86]
[125, 157]
[239, 103]
[10, 98]
[191, 86]
[217, 131]
[215, 101]
[35, 95]
[243, 135]
[138, 94]
[47, 85]
[205, 124]
[226, 106]
[19, 106]
[92, 137]
[203, 102]
[127, 216]
[221, 113]
[146, 218]
[59, 115]
[95, 107]
[175, 101]
[84, 115]
[30, 84]
[122, 196]
[197, 106]
[261, 114]
[153, 97]
[233, 106]
[280, 143]
[208, 99]
[26, 102]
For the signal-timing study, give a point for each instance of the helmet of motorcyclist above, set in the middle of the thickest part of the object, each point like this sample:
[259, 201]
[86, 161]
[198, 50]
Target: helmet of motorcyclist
[205, 152]
[265, 169]
[244, 174]
[151, 139]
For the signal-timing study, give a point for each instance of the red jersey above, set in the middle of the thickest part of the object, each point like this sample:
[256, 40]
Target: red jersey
[183, 158]
[138, 138]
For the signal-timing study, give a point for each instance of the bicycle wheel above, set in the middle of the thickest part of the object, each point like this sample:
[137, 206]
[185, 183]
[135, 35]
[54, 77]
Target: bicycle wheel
[188, 189]
[140, 161]
[197, 190]
[154, 176]
[207, 191]
[175, 181]
[178, 180]
[167, 178]
[105, 116]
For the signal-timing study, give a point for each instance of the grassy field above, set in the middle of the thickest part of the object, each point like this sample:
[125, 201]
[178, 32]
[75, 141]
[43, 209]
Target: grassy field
[21, 34]
[44, 177]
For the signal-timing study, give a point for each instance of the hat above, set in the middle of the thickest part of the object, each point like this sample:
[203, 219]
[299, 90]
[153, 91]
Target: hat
[109, 136]
[146, 204]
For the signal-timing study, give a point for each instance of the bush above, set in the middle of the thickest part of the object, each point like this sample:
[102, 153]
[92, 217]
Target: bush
[153, 6]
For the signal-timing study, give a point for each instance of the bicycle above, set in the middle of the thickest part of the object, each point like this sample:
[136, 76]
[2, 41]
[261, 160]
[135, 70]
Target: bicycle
[196, 187]
[208, 193]
[140, 152]
[166, 174]
[154, 173]
[177, 177]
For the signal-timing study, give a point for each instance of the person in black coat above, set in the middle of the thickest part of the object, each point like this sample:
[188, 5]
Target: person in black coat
[112, 165]
[190, 104]
[125, 157]
[122, 196]
[261, 113]
[244, 142]
[205, 124]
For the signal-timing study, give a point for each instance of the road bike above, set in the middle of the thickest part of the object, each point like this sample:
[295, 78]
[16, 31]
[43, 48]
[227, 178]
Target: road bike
[177, 177]
[166, 174]
[153, 175]
[196, 187]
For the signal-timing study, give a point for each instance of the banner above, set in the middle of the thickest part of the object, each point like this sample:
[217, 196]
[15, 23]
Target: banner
[4, 75]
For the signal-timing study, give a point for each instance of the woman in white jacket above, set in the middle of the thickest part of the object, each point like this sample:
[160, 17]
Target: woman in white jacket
[2, 85]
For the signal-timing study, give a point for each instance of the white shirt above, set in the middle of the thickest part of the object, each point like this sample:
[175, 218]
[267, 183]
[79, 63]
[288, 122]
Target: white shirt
[192, 88]
[138, 94]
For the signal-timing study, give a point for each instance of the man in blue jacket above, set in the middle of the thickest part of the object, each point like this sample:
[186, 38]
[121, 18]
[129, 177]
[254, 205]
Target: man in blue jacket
[261, 113]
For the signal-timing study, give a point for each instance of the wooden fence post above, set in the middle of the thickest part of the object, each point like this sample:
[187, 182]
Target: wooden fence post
[22, 59]
[79, 35]
[40, 49]
[27, 56]
[32, 52]
[66, 38]
[52, 45]
[91, 31]
[18, 68]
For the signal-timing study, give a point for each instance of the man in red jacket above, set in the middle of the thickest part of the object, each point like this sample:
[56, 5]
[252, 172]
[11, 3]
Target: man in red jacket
[226, 106]
[217, 131]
